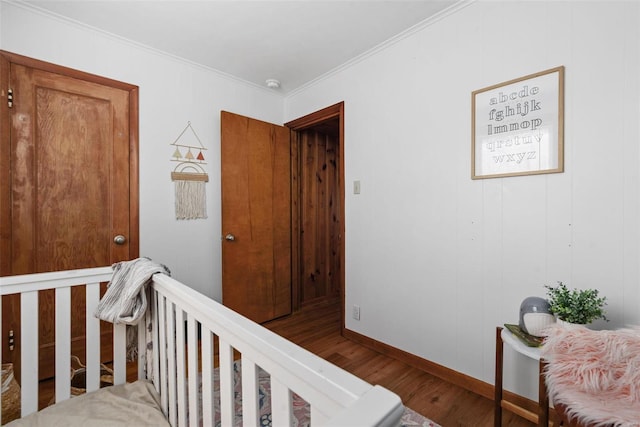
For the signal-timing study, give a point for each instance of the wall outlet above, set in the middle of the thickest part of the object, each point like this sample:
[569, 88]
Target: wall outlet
[356, 312]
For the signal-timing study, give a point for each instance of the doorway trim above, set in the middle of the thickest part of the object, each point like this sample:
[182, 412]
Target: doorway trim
[329, 113]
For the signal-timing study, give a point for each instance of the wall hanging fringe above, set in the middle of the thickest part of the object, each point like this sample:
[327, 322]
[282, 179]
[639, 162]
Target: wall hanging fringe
[190, 178]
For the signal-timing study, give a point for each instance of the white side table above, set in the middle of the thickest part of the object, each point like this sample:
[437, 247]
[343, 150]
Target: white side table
[541, 418]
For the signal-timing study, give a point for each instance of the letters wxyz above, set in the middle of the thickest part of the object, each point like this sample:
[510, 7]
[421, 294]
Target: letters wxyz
[515, 157]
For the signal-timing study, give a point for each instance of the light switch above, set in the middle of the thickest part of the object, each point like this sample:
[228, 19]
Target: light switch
[356, 187]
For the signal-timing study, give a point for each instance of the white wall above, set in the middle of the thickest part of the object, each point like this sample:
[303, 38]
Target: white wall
[172, 93]
[436, 260]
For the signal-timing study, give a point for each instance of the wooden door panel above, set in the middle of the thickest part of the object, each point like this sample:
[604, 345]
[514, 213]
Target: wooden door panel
[256, 209]
[75, 133]
[71, 141]
[66, 206]
[319, 216]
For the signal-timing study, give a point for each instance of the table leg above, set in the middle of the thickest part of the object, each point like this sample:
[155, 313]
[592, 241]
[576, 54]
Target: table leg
[543, 397]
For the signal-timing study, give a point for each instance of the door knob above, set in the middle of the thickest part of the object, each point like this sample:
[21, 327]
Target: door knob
[230, 237]
[119, 239]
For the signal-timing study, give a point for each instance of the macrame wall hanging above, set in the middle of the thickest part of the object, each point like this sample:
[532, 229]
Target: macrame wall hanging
[190, 178]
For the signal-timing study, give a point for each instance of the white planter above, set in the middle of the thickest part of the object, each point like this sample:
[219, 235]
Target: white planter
[569, 325]
[536, 323]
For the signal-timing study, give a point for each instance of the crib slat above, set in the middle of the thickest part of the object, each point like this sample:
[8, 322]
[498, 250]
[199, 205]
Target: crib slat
[170, 331]
[192, 354]
[227, 406]
[180, 368]
[281, 407]
[63, 343]
[119, 353]
[250, 396]
[92, 323]
[29, 357]
[162, 379]
[154, 364]
[142, 344]
[208, 409]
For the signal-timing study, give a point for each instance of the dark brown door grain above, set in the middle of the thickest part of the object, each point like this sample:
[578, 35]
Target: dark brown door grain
[256, 211]
[320, 213]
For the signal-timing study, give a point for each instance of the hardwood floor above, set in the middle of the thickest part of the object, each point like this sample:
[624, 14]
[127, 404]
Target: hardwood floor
[317, 329]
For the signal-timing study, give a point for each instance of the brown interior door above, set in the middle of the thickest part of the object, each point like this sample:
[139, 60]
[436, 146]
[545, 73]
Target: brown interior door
[72, 185]
[256, 217]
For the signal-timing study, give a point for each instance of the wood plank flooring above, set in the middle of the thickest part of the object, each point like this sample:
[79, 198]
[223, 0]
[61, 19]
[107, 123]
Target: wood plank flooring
[317, 329]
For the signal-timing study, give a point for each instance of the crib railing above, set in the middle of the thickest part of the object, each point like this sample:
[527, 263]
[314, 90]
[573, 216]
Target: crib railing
[336, 397]
[192, 335]
[28, 287]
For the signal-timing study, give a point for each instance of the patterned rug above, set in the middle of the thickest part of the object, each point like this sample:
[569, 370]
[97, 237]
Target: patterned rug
[301, 409]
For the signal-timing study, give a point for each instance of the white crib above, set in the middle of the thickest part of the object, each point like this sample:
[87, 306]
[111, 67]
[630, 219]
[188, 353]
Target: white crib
[336, 397]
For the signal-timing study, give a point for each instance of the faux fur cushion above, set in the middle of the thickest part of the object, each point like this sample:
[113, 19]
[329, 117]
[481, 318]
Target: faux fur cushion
[595, 374]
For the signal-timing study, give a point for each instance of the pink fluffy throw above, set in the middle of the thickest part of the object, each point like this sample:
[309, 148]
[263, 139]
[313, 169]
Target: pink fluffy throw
[595, 374]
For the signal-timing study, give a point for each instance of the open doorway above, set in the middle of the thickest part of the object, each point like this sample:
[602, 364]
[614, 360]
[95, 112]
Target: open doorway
[318, 208]
[282, 213]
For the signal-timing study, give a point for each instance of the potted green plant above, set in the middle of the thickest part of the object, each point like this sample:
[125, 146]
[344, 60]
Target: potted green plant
[576, 306]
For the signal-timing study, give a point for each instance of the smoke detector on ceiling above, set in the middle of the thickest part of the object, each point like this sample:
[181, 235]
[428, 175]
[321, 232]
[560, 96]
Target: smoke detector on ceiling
[273, 83]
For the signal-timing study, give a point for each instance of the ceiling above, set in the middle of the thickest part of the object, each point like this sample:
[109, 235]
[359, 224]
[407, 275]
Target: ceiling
[293, 41]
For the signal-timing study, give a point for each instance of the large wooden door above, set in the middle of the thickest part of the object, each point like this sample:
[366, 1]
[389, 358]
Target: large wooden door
[256, 217]
[69, 184]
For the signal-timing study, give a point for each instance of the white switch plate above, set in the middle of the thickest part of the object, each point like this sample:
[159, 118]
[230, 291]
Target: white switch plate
[356, 187]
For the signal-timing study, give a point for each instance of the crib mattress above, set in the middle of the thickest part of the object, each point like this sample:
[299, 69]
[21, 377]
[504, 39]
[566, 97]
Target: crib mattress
[134, 404]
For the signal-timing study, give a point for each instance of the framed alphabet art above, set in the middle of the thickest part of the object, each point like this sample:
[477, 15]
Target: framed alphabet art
[518, 126]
